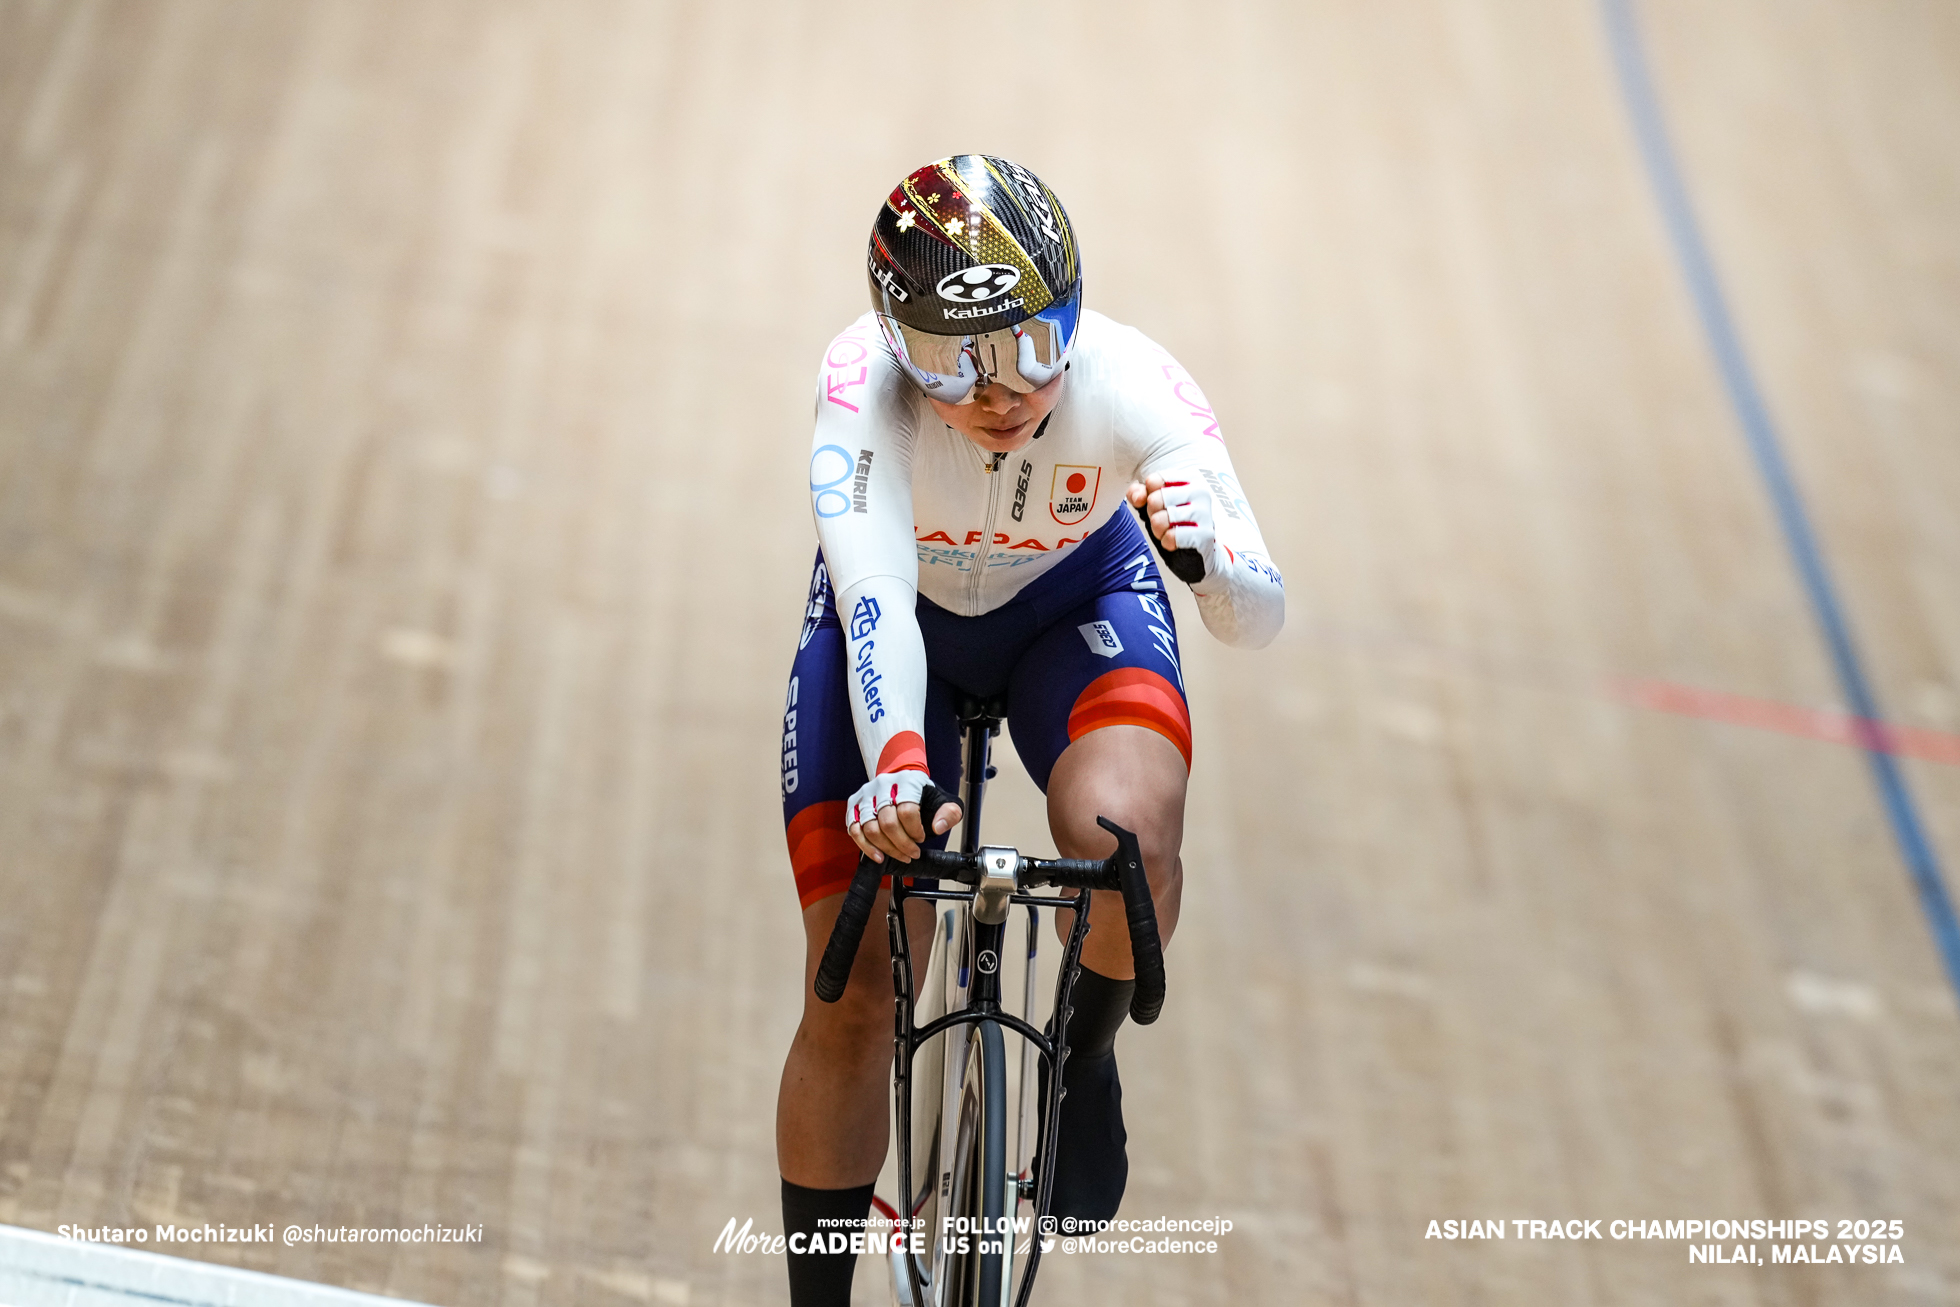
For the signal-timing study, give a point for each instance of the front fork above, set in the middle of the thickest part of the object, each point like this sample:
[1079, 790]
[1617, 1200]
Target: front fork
[983, 1003]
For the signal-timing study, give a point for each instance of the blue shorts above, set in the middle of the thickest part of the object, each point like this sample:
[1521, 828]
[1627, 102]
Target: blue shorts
[1089, 644]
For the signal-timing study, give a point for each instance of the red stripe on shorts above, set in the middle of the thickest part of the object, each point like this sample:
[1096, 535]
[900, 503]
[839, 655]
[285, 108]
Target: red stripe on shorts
[1132, 696]
[820, 853]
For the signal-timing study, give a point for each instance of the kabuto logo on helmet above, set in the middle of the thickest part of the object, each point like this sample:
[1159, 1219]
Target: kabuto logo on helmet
[984, 311]
[978, 285]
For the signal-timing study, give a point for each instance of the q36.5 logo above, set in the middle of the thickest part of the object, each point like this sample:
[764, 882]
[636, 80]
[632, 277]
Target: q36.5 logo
[978, 285]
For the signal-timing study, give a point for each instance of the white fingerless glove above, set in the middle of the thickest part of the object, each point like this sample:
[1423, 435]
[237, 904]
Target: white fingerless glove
[1188, 502]
[883, 790]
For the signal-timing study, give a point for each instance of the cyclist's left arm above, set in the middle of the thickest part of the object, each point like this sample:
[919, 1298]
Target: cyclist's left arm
[1194, 500]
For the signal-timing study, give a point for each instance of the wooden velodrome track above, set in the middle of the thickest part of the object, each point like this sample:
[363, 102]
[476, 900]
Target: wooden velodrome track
[402, 410]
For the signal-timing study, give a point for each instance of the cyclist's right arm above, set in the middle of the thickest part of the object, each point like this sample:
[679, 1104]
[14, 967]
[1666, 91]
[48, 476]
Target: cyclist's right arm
[861, 498]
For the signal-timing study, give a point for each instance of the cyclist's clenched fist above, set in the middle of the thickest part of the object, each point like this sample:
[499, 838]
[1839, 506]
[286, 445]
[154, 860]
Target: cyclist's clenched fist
[1178, 506]
[883, 816]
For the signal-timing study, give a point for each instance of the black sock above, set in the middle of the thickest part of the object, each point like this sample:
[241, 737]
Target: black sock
[1100, 1006]
[1092, 1164]
[822, 1279]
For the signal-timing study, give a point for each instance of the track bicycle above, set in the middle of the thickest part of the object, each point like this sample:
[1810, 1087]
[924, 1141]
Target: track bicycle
[969, 1201]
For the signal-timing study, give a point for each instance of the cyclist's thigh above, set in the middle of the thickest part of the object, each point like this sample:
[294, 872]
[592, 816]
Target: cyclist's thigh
[822, 767]
[1112, 661]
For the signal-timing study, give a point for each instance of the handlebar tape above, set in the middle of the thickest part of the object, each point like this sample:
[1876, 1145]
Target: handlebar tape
[840, 951]
[1146, 949]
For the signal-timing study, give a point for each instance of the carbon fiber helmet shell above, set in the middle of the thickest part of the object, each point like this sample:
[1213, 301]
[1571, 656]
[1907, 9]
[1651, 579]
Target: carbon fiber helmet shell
[972, 244]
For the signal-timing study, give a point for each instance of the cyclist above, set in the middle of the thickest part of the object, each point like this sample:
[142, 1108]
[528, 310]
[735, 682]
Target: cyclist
[981, 444]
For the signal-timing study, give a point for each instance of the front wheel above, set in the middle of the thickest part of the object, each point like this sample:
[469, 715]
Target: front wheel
[977, 1270]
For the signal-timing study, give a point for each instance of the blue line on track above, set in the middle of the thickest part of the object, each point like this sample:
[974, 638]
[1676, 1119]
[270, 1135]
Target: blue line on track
[1643, 106]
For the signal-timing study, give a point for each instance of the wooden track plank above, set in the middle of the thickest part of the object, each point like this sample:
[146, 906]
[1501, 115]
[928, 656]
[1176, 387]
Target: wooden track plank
[401, 551]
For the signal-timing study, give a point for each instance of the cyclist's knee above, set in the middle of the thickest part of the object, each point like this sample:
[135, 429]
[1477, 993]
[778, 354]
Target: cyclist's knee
[1166, 876]
[856, 1026]
[1160, 843]
[1134, 777]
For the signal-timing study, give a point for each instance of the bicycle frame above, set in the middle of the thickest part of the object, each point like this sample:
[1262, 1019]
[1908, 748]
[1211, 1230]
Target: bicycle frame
[981, 943]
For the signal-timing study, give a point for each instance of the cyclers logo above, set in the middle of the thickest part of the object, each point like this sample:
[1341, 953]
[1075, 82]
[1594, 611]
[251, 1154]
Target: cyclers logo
[868, 678]
[864, 620]
[978, 285]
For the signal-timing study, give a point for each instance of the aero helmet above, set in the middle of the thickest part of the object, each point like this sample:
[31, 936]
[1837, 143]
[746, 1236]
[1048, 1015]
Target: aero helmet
[974, 277]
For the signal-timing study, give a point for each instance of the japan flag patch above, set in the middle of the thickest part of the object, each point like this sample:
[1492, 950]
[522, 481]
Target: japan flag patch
[1072, 493]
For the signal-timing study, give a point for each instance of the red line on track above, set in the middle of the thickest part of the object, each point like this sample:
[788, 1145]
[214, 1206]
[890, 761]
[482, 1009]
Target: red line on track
[1830, 724]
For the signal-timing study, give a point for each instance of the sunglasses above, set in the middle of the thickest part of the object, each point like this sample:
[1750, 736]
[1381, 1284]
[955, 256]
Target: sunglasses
[1024, 357]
